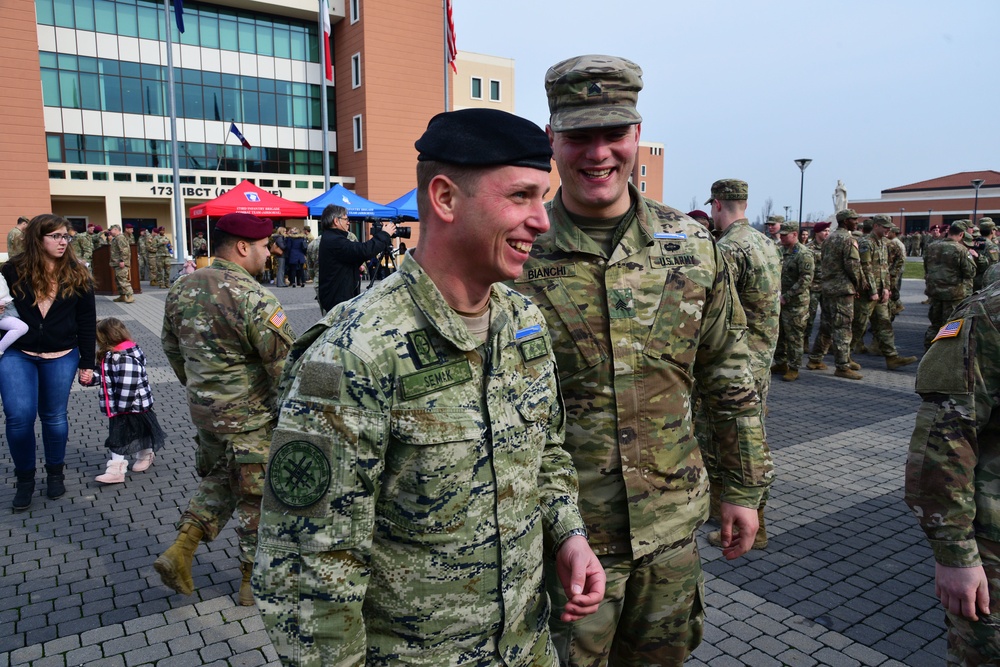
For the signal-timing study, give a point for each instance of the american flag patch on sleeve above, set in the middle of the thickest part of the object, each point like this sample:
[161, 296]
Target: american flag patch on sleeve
[277, 319]
[949, 330]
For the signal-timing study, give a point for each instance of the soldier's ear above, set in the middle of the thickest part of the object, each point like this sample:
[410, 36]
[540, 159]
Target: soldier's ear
[443, 193]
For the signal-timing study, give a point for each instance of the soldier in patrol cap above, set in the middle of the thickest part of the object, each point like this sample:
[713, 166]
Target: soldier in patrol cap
[638, 301]
[226, 337]
[772, 227]
[417, 472]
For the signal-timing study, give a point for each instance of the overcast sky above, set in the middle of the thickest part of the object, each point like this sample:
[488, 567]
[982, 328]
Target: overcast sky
[878, 93]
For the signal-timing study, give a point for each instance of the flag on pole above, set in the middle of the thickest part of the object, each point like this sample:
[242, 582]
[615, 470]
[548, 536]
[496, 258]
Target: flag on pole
[239, 135]
[452, 49]
[324, 9]
[179, 14]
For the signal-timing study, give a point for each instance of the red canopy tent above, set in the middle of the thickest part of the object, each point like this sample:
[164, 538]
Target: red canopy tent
[247, 198]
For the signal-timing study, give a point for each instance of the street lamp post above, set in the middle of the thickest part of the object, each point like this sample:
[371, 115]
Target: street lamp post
[929, 211]
[976, 182]
[786, 211]
[802, 164]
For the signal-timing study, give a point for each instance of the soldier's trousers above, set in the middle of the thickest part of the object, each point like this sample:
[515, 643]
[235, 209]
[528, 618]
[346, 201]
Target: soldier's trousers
[163, 264]
[124, 281]
[835, 329]
[154, 268]
[938, 313]
[143, 269]
[859, 325]
[878, 314]
[814, 300]
[974, 643]
[231, 467]
[791, 328]
[652, 614]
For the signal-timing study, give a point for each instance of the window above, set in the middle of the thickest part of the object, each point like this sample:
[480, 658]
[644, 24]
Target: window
[356, 70]
[642, 170]
[476, 88]
[494, 90]
[355, 11]
[642, 186]
[357, 134]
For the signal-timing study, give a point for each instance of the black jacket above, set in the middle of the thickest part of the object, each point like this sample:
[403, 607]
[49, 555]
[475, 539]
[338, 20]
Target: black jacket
[340, 261]
[71, 321]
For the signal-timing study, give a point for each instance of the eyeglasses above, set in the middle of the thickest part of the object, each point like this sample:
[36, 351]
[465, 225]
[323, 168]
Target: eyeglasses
[59, 237]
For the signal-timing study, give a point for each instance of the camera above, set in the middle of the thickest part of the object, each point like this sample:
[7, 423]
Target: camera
[401, 231]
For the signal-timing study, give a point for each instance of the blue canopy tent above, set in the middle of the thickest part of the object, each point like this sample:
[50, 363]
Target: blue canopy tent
[356, 205]
[406, 205]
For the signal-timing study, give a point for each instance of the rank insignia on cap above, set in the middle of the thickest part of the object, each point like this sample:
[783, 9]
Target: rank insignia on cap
[949, 330]
[299, 474]
[277, 319]
[594, 88]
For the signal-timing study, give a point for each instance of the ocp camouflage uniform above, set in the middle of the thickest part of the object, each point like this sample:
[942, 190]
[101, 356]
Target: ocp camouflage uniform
[633, 332]
[876, 281]
[83, 247]
[948, 273]
[141, 247]
[797, 269]
[227, 338]
[415, 474]
[153, 266]
[896, 254]
[841, 267]
[862, 307]
[199, 246]
[312, 259]
[815, 291]
[163, 260]
[953, 466]
[15, 242]
[121, 251]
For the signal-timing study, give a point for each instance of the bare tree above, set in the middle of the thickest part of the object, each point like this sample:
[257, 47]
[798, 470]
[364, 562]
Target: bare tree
[767, 209]
[694, 204]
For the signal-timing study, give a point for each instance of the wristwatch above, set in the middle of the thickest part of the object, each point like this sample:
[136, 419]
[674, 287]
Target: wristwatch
[572, 533]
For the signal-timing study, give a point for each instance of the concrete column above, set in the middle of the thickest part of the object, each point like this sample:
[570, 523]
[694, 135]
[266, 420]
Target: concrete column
[112, 210]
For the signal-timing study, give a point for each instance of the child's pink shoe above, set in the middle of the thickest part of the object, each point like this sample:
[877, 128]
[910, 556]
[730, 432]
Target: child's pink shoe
[144, 460]
[115, 473]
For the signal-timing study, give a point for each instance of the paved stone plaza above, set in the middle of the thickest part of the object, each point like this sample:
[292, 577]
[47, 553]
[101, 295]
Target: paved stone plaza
[846, 580]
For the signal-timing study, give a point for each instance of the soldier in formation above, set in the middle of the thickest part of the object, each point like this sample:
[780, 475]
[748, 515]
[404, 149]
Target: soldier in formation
[151, 262]
[821, 230]
[949, 269]
[987, 251]
[164, 258]
[417, 473]
[896, 253]
[82, 246]
[641, 310]
[15, 237]
[755, 266]
[141, 248]
[121, 264]
[226, 338]
[772, 228]
[798, 264]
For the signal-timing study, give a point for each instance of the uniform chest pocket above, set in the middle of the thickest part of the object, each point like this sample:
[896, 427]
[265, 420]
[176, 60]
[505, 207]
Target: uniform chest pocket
[676, 328]
[573, 339]
[430, 464]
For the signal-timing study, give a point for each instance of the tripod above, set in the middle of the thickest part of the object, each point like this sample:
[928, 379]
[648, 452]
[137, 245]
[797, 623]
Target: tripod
[386, 258]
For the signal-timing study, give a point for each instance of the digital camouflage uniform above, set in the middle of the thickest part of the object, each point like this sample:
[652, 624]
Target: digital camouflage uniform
[876, 271]
[815, 291]
[164, 258]
[415, 475]
[632, 335]
[121, 251]
[83, 247]
[953, 467]
[797, 268]
[227, 338]
[948, 273]
[841, 268]
[15, 242]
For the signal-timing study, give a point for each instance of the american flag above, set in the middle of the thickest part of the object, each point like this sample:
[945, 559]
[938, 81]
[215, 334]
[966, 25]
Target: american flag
[278, 319]
[452, 49]
[949, 330]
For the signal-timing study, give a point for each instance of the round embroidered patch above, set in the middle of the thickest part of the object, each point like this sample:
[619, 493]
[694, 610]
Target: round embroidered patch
[299, 474]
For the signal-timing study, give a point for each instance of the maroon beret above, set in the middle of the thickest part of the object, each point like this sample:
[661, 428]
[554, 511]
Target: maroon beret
[821, 227]
[98, 229]
[245, 226]
[698, 214]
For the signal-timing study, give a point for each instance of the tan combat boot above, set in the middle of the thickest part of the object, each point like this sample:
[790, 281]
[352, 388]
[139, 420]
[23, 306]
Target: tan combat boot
[816, 366]
[245, 596]
[121, 297]
[174, 566]
[848, 373]
[853, 365]
[129, 299]
[892, 363]
[791, 376]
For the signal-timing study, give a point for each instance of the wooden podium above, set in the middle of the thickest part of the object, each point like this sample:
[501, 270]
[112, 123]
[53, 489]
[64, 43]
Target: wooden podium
[104, 278]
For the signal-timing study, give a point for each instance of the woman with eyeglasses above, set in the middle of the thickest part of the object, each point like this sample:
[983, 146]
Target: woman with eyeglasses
[54, 295]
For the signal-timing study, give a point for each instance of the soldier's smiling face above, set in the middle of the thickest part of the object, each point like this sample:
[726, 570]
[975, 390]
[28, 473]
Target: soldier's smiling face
[595, 165]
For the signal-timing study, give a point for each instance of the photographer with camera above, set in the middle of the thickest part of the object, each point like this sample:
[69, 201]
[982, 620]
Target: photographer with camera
[341, 256]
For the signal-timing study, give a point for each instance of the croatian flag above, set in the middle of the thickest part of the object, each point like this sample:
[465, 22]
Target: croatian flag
[452, 48]
[239, 135]
[324, 10]
[179, 14]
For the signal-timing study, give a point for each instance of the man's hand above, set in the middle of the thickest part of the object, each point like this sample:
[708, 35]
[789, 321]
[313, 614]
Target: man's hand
[582, 578]
[962, 590]
[389, 228]
[86, 376]
[885, 295]
[874, 296]
[739, 527]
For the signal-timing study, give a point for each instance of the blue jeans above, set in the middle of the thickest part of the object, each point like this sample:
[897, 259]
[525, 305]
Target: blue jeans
[29, 386]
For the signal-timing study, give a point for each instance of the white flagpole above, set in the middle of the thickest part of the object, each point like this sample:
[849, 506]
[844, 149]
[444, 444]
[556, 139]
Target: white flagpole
[324, 122]
[447, 33]
[225, 141]
[179, 226]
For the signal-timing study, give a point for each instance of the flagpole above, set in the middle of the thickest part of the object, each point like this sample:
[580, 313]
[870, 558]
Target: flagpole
[179, 226]
[225, 140]
[447, 33]
[324, 122]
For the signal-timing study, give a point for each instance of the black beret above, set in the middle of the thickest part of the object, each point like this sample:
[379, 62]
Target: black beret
[485, 138]
[245, 226]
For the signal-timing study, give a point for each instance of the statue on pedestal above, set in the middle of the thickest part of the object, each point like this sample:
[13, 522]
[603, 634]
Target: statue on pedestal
[839, 197]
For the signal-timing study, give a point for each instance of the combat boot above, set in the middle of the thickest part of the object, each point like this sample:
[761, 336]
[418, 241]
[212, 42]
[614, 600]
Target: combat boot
[848, 373]
[892, 363]
[55, 481]
[816, 366]
[25, 489]
[853, 365]
[174, 566]
[129, 299]
[779, 369]
[245, 597]
[121, 297]
[791, 376]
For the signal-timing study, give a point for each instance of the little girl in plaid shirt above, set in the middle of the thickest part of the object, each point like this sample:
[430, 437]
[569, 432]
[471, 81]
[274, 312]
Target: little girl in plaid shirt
[127, 401]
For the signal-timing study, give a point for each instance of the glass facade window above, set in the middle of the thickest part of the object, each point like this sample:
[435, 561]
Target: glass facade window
[356, 70]
[476, 88]
[494, 90]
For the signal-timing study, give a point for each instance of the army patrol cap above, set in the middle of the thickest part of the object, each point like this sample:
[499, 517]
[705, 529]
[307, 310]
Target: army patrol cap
[484, 138]
[592, 91]
[883, 220]
[986, 225]
[245, 226]
[821, 227]
[729, 189]
[790, 227]
[23, 218]
[775, 219]
[963, 224]
[968, 240]
[847, 214]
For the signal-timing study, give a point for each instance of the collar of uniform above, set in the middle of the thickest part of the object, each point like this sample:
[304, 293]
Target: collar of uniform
[439, 314]
[570, 238]
[730, 228]
[226, 265]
